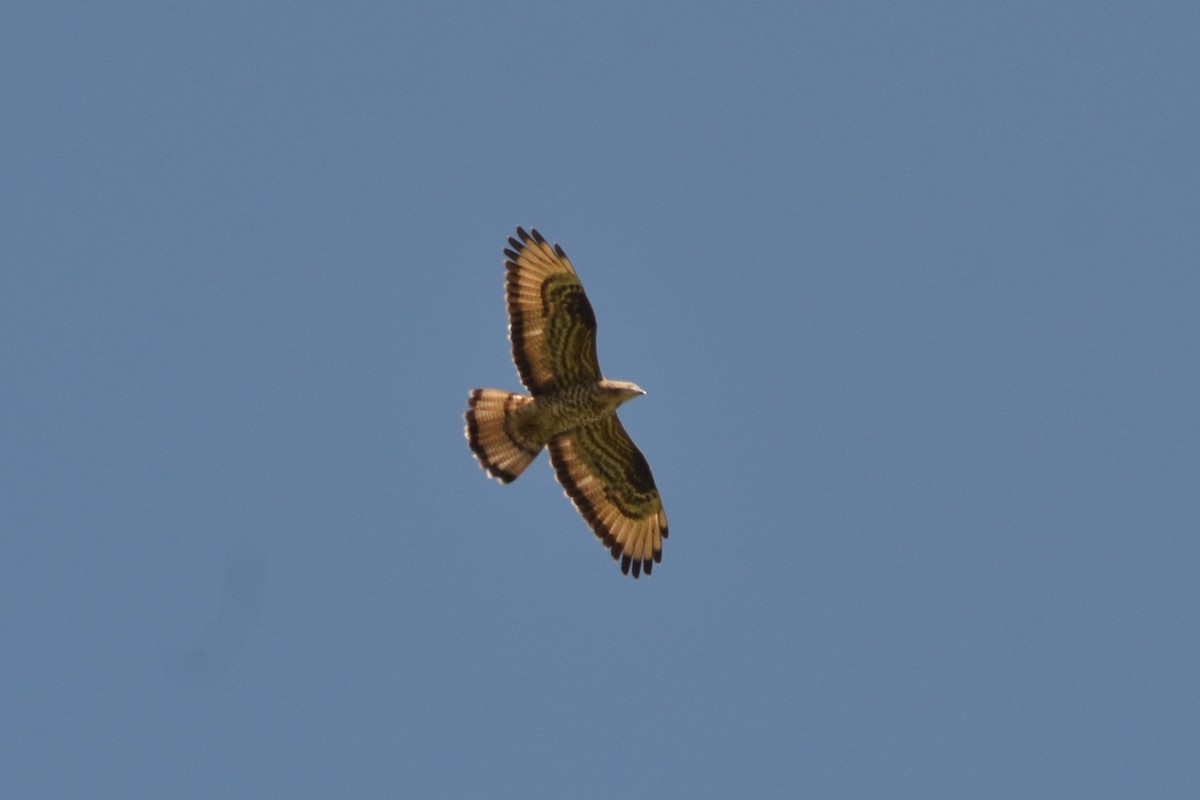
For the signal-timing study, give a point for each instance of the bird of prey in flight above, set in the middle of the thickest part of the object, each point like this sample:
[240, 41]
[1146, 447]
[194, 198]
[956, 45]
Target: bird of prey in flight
[572, 410]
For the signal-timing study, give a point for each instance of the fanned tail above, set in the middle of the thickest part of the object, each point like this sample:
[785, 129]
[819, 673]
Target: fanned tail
[492, 434]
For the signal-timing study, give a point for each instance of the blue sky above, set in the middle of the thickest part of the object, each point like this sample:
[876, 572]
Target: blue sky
[912, 289]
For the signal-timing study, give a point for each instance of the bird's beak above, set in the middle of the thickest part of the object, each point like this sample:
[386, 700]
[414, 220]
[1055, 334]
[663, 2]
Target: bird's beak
[632, 392]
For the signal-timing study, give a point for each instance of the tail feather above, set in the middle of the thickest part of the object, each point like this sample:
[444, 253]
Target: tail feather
[492, 433]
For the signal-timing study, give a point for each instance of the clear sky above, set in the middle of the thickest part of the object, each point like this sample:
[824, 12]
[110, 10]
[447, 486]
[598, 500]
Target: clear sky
[913, 290]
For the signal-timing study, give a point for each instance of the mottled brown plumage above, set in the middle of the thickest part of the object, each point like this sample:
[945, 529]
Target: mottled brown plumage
[572, 410]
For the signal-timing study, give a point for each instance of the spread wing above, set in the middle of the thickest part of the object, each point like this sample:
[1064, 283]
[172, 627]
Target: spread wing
[551, 324]
[608, 479]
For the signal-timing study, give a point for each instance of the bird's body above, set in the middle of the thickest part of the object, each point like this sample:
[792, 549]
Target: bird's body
[527, 424]
[571, 409]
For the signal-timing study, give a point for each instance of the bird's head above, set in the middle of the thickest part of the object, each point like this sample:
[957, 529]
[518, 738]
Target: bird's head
[618, 392]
